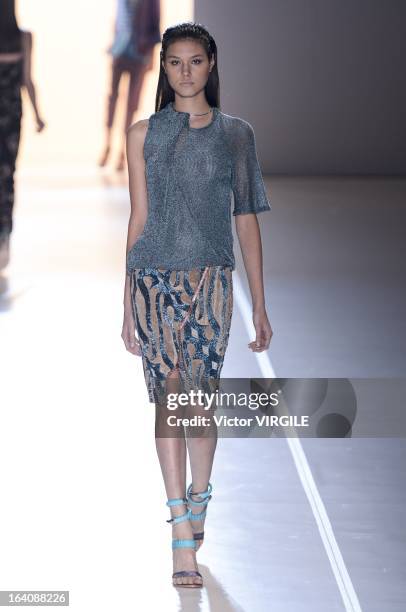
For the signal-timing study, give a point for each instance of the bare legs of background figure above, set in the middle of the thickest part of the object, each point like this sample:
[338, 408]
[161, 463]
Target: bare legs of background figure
[116, 74]
[171, 452]
[9, 141]
[136, 71]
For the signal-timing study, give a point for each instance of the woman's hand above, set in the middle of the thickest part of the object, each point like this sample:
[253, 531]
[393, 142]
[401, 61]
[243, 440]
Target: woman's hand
[263, 330]
[40, 124]
[132, 343]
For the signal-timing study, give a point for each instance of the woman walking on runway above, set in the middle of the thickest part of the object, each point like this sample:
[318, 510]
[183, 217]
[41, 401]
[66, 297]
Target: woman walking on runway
[184, 162]
[15, 72]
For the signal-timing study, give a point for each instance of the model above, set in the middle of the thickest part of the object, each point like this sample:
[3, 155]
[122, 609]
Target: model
[136, 32]
[183, 164]
[15, 72]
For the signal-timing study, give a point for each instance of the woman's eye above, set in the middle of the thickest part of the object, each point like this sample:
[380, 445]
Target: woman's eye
[175, 62]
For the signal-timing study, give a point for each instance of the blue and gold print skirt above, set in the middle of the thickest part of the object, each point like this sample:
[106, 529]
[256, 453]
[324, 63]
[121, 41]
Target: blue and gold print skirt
[161, 299]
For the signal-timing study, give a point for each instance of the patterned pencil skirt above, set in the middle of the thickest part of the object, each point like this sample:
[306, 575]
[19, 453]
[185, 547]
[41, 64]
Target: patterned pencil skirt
[160, 300]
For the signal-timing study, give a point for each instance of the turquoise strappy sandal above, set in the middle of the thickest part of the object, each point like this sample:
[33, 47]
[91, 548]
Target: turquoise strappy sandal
[177, 543]
[206, 497]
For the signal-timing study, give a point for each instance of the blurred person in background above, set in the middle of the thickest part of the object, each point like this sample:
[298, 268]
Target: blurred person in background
[15, 72]
[136, 33]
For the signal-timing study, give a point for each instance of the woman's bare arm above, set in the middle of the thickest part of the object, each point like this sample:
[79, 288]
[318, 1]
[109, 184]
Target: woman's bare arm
[249, 237]
[138, 189]
[138, 198]
[27, 80]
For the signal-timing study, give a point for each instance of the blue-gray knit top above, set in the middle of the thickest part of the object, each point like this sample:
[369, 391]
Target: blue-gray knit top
[192, 177]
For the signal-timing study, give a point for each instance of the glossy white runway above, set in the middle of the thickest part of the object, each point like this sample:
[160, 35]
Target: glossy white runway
[83, 500]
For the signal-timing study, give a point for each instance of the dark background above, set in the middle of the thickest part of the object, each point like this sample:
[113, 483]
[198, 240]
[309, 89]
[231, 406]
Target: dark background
[321, 81]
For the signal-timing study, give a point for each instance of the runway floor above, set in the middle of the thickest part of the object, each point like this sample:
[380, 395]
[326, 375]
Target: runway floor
[294, 525]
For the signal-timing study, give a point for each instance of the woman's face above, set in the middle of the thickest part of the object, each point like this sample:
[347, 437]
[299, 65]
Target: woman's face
[187, 67]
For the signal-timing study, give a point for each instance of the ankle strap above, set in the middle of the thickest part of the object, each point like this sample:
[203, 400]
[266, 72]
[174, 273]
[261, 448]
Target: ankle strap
[184, 544]
[179, 519]
[176, 501]
[198, 517]
[203, 494]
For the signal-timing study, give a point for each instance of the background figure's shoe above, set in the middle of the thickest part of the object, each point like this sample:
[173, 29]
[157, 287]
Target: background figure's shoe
[4, 250]
[205, 497]
[183, 543]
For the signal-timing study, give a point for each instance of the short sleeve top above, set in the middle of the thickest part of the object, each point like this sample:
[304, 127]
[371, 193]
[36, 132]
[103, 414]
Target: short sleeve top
[193, 175]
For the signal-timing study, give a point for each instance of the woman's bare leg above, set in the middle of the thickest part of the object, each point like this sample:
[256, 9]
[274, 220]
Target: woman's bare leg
[201, 445]
[171, 448]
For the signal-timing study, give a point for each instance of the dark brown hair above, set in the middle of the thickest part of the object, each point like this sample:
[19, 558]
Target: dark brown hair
[198, 32]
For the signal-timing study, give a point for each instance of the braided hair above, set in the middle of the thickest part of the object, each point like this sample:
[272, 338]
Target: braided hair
[198, 32]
